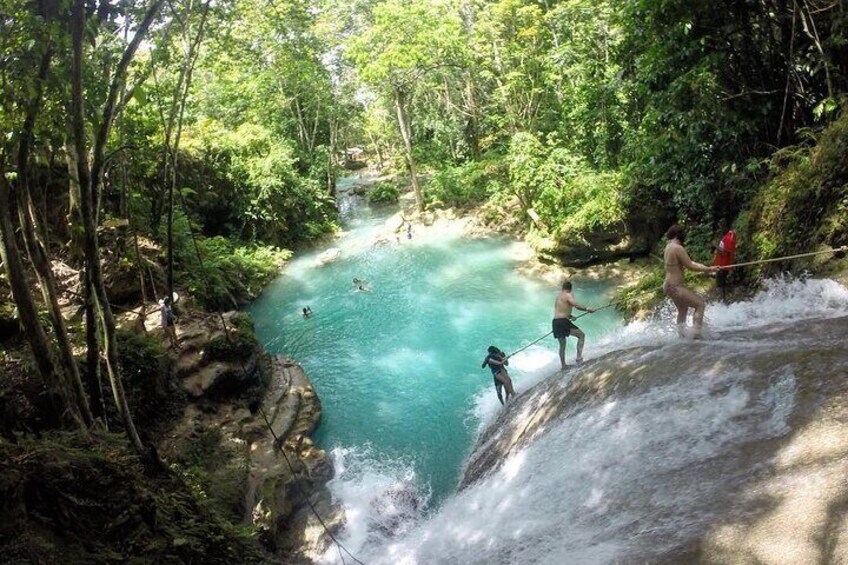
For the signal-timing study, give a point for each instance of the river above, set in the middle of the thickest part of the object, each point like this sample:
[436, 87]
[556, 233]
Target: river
[397, 368]
[638, 471]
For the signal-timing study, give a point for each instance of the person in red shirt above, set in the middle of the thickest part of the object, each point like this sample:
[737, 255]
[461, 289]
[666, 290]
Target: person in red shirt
[725, 254]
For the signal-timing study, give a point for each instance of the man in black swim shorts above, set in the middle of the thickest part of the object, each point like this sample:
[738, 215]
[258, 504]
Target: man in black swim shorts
[563, 326]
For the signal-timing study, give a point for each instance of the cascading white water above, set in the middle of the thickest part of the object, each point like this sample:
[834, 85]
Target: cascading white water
[634, 474]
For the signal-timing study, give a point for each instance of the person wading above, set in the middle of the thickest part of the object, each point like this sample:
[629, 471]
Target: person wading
[676, 259]
[563, 326]
[497, 362]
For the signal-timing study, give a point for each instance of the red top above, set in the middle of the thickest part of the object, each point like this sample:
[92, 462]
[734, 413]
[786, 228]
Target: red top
[726, 251]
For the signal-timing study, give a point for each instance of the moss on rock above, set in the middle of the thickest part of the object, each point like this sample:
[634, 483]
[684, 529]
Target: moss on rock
[70, 499]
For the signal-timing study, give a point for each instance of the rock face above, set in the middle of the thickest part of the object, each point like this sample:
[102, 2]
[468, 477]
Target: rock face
[247, 432]
[728, 451]
[635, 236]
[213, 363]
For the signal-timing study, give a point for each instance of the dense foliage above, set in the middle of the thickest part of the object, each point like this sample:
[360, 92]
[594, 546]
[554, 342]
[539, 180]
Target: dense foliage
[585, 111]
[69, 499]
[210, 134]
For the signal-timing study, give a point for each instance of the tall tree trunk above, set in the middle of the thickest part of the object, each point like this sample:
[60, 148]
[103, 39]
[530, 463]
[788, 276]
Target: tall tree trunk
[37, 249]
[37, 252]
[377, 150]
[331, 156]
[472, 130]
[93, 375]
[57, 389]
[90, 178]
[74, 211]
[175, 125]
[406, 133]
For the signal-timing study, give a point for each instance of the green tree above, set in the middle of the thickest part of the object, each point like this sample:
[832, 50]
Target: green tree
[406, 44]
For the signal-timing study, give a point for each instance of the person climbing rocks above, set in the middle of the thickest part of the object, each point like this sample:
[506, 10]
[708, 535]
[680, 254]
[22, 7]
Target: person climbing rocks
[307, 312]
[725, 254]
[408, 230]
[562, 325]
[497, 362]
[169, 321]
[676, 259]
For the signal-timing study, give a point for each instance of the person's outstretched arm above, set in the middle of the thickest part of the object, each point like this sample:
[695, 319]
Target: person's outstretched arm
[687, 262]
[579, 306]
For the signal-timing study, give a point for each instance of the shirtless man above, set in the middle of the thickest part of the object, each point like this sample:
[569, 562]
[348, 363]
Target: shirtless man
[675, 259]
[563, 326]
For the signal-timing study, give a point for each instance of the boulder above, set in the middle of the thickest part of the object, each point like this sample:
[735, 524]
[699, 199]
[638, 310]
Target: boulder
[635, 236]
[262, 456]
[329, 256]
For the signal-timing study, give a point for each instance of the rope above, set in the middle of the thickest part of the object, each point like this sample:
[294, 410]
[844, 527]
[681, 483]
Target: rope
[788, 257]
[550, 332]
[529, 344]
[277, 441]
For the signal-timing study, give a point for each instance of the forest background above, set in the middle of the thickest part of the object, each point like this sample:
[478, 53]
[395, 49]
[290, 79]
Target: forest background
[162, 144]
[607, 119]
[189, 143]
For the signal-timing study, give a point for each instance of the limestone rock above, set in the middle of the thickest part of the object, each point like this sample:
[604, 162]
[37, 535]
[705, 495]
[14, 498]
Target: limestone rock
[760, 480]
[635, 236]
[329, 256]
[264, 454]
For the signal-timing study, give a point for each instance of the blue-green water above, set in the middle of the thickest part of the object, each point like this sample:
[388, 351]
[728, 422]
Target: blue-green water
[397, 368]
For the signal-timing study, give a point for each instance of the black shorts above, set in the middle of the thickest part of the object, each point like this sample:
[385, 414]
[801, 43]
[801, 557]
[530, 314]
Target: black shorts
[721, 278]
[562, 327]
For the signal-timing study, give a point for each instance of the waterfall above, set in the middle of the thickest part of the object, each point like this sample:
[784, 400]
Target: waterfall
[656, 450]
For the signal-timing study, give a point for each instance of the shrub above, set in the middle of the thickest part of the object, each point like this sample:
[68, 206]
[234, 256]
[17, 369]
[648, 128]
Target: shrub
[231, 274]
[240, 343]
[462, 185]
[806, 202]
[258, 187]
[153, 394]
[386, 192]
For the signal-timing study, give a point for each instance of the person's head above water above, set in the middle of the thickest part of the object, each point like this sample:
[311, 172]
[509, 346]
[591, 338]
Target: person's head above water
[566, 285]
[494, 350]
[676, 232]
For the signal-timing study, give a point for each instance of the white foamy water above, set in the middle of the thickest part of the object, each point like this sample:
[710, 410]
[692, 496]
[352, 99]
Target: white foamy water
[610, 480]
[782, 301]
[383, 499]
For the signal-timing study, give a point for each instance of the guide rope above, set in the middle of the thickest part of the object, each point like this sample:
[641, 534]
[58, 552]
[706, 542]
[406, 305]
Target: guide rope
[550, 332]
[746, 264]
[787, 257]
[339, 546]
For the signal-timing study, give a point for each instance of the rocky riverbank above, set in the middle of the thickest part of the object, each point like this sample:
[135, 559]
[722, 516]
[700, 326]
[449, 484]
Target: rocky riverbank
[245, 432]
[624, 272]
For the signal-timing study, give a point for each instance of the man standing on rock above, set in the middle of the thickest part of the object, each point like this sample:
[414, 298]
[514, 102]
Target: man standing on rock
[562, 324]
[168, 319]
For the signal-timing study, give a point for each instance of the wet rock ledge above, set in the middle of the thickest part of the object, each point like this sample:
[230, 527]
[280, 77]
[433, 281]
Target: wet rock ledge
[245, 435]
